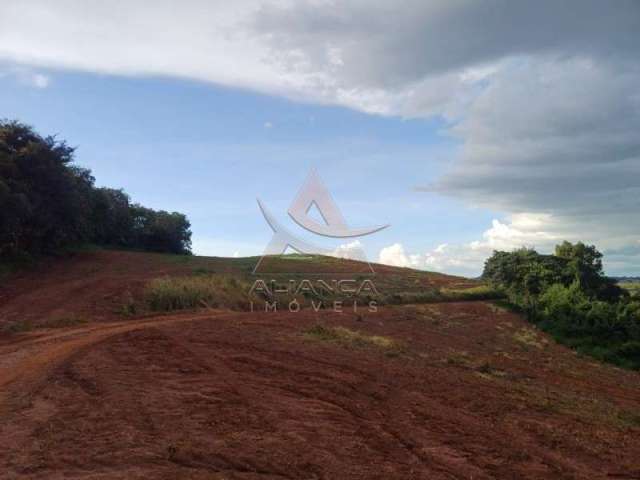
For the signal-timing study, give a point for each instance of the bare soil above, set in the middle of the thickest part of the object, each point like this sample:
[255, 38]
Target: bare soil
[470, 391]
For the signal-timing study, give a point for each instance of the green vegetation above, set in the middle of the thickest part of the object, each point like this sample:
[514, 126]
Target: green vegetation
[210, 291]
[48, 204]
[481, 292]
[351, 338]
[567, 295]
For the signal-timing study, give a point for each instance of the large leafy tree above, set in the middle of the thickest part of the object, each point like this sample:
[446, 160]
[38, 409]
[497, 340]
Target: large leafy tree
[47, 202]
[526, 274]
[44, 200]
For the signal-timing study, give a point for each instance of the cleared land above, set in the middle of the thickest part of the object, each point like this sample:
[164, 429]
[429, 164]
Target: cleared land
[430, 390]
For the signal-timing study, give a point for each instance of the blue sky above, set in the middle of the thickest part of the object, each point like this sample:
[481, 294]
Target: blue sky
[468, 129]
[209, 151]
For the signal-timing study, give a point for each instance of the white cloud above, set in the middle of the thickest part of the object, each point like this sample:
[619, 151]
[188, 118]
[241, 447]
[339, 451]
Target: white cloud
[395, 255]
[522, 230]
[268, 125]
[352, 250]
[40, 81]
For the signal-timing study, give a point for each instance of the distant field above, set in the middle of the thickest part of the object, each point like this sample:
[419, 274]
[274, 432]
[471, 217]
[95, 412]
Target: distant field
[632, 287]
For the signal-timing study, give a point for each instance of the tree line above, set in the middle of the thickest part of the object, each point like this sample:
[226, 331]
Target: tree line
[48, 203]
[568, 295]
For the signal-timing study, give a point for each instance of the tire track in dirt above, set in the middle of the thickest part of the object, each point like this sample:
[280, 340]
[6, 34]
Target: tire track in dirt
[46, 351]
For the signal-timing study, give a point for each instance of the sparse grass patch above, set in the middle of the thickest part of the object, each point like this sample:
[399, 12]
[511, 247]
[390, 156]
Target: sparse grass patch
[184, 293]
[351, 338]
[529, 337]
[587, 408]
[488, 372]
[459, 358]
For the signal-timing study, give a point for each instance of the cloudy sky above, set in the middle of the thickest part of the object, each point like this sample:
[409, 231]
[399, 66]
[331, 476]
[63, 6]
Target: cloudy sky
[468, 126]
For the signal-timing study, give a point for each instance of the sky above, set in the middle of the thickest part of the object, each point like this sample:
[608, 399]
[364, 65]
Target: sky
[467, 126]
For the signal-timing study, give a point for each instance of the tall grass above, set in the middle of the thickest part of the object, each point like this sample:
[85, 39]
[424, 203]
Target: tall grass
[185, 293]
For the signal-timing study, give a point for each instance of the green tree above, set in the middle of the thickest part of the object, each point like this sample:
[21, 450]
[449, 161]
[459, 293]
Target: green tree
[47, 203]
[44, 200]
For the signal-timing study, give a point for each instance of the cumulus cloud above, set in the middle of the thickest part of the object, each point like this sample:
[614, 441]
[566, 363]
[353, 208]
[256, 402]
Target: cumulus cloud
[352, 251]
[544, 96]
[395, 255]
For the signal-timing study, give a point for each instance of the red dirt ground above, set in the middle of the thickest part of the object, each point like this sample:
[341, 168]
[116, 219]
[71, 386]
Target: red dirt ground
[472, 392]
